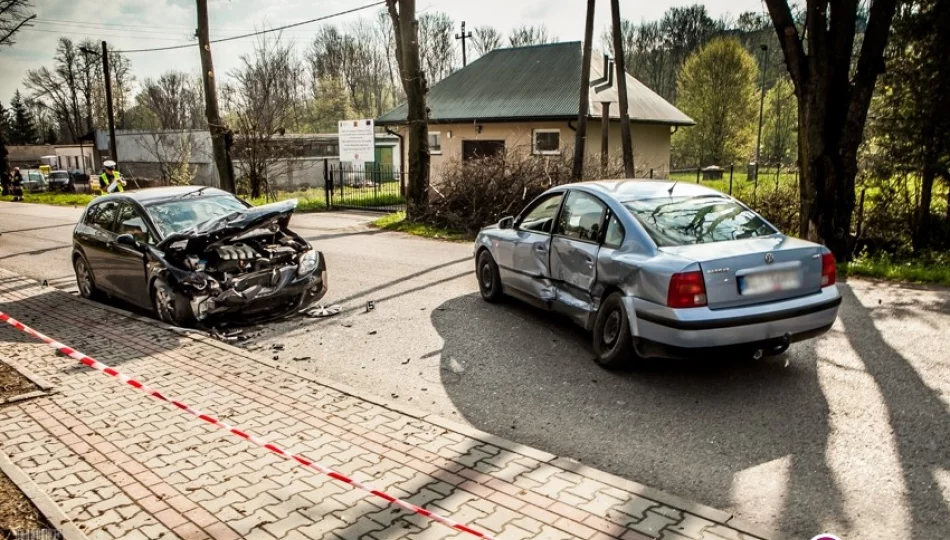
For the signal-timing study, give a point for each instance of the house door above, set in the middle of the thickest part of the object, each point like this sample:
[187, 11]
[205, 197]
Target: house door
[481, 149]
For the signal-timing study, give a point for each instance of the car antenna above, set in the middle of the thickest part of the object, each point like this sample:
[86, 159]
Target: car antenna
[670, 191]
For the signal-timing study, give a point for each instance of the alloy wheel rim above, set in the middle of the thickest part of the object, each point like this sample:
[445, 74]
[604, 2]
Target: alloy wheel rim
[84, 280]
[164, 304]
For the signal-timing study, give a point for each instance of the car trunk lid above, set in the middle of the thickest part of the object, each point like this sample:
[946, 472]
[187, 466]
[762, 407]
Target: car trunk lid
[755, 270]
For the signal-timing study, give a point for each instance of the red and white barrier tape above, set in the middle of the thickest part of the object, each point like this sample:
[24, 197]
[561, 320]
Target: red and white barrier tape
[94, 364]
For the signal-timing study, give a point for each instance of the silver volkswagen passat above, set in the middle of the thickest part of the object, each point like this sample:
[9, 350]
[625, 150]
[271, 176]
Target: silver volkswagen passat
[660, 269]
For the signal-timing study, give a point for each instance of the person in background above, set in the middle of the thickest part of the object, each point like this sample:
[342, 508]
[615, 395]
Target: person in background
[110, 180]
[17, 184]
[4, 182]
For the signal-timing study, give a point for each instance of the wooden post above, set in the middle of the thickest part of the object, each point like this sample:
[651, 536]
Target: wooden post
[625, 137]
[580, 135]
[215, 125]
[732, 168]
[107, 76]
[604, 135]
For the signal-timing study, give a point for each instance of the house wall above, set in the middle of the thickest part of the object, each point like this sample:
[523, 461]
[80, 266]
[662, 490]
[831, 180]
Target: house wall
[70, 157]
[651, 142]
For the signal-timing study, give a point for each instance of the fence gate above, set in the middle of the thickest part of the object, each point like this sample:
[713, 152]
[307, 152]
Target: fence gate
[371, 186]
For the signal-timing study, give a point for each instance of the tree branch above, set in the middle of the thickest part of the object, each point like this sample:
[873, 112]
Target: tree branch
[7, 39]
[870, 65]
[788, 37]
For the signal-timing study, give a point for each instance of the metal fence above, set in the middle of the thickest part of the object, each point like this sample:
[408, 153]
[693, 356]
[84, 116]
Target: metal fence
[371, 186]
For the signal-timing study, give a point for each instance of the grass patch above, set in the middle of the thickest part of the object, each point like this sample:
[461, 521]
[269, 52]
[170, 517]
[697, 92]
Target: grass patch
[926, 269]
[397, 222]
[59, 199]
[315, 200]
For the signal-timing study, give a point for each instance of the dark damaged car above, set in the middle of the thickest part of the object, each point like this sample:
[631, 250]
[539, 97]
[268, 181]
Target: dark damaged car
[196, 255]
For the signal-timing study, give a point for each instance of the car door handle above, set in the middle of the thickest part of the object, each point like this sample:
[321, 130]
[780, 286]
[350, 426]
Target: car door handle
[541, 249]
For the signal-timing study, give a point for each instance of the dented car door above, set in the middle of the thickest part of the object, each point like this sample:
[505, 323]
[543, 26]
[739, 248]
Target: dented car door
[531, 252]
[574, 252]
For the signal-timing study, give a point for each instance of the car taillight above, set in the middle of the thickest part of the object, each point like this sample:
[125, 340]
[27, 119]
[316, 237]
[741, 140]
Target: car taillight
[687, 289]
[829, 271]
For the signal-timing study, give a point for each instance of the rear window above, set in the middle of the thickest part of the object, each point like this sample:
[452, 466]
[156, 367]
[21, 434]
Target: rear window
[678, 221]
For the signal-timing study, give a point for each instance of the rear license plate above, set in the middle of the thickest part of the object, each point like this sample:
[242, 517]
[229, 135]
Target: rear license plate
[769, 282]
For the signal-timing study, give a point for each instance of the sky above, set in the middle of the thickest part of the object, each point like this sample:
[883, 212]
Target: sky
[138, 24]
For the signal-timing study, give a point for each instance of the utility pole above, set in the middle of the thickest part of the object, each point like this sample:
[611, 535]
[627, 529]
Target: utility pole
[463, 36]
[604, 134]
[758, 140]
[625, 139]
[580, 134]
[215, 126]
[108, 77]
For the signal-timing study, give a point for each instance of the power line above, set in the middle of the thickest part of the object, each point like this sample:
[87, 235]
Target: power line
[85, 34]
[252, 34]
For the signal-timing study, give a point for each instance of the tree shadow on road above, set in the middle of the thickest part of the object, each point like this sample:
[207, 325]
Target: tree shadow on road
[686, 427]
[919, 419]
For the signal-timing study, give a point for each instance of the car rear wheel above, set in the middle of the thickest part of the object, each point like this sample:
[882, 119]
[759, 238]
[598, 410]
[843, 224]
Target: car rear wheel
[84, 280]
[489, 280]
[171, 307]
[613, 344]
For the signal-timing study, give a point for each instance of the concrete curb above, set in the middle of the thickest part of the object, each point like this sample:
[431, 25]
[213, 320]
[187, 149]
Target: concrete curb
[703, 511]
[45, 388]
[50, 510]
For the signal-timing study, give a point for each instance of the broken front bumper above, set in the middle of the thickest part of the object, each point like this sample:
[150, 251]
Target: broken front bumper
[268, 293]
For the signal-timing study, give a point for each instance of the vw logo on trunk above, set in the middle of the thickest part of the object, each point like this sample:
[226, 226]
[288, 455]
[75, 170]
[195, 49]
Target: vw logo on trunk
[769, 258]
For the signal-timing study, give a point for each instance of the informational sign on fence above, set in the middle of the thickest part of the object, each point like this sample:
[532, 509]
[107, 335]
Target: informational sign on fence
[357, 141]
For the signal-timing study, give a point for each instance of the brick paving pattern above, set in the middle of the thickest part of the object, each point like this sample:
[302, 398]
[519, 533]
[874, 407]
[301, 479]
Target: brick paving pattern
[122, 465]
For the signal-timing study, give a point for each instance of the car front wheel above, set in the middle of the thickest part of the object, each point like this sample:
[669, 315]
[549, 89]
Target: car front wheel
[489, 280]
[84, 280]
[170, 306]
[613, 344]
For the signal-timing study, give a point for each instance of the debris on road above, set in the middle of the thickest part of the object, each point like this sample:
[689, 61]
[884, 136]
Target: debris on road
[322, 311]
[301, 358]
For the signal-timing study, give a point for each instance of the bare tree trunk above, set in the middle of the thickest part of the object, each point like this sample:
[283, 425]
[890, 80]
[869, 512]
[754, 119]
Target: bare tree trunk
[580, 136]
[922, 229]
[833, 106]
[413, 81]
[625, 138]
[215, 125]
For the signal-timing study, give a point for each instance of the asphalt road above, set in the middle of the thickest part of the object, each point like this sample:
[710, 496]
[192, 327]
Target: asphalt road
[848, 434]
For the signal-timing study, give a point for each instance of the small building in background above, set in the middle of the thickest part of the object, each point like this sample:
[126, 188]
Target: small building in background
[292, 161]
[525, 99]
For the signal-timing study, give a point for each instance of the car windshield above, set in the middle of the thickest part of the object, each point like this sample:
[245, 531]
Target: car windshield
[177, 215]
[677, 221]
[59, 176]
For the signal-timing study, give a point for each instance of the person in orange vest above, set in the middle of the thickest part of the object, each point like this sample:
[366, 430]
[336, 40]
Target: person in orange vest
[110, 180]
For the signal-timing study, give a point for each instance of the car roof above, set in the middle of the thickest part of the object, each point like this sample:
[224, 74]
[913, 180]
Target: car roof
[161, 194]
[638, 189]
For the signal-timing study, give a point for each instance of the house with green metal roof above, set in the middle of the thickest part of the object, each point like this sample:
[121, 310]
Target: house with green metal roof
[525, 99]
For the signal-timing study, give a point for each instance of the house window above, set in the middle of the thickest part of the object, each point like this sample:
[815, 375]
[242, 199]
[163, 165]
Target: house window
[435, 142]
[546, 141]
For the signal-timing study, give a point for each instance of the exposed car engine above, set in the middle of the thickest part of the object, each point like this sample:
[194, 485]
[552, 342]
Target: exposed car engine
[218, 272]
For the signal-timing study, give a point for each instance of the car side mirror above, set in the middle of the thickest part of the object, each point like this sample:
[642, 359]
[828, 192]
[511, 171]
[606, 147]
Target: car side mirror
[506, 222]
[129, 241]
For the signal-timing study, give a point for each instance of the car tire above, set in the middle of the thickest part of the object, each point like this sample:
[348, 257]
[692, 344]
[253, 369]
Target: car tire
[170, 306]
[613, 344]
[489, 280]
[84, 279]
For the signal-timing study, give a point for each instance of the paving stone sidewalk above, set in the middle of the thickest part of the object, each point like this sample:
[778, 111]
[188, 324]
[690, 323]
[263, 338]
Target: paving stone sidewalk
[123, 465]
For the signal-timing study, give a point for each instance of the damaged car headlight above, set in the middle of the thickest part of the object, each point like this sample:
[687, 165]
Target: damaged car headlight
[308, 262]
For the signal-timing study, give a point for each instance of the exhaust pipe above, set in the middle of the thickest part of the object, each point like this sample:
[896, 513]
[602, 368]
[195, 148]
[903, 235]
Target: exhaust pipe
[758, 354]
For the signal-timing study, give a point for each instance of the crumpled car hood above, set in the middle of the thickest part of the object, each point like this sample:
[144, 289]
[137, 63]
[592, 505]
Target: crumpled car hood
[226, 227]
